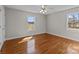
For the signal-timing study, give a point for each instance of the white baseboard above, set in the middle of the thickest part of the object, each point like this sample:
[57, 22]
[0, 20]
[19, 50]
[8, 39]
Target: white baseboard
[10, 38]
[64, 36]
[42, 33]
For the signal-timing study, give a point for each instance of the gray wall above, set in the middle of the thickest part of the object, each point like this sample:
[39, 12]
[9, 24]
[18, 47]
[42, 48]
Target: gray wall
[56, 24]
[16, 25]
[2, 26]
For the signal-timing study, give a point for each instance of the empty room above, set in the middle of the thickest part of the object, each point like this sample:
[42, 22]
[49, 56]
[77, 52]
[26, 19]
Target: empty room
[39, 29]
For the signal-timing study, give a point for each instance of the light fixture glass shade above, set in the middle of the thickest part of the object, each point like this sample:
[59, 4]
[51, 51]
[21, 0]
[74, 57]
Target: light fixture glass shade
[43, 9]
[43, 6]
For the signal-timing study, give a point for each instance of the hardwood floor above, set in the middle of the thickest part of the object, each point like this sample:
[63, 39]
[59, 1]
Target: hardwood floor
[40, 44]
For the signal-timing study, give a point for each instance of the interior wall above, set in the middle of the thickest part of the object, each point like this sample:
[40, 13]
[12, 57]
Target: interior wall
[2, 26]
[57, 24]
[54, 23]
[16, 25]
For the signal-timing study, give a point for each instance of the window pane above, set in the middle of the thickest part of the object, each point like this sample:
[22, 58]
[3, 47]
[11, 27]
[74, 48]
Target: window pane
[31, 19]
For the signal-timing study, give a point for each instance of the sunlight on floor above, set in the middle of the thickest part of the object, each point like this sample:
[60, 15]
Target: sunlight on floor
[74, 49]
[25, 39]
[31, 46]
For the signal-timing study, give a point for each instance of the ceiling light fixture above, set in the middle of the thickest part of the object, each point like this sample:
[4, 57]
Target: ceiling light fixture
[43, 9]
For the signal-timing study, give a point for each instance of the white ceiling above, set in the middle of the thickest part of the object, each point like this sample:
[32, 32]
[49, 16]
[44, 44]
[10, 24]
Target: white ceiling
[37, 8]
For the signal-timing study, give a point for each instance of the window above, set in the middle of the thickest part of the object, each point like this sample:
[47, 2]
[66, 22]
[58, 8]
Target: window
[31, 19]
[31, 23]
[73, 20]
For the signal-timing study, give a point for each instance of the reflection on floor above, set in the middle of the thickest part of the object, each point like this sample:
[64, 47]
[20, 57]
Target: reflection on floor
[40, 44]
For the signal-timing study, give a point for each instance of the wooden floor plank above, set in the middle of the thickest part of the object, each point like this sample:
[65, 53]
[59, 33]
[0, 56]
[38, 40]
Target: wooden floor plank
[40, 44]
